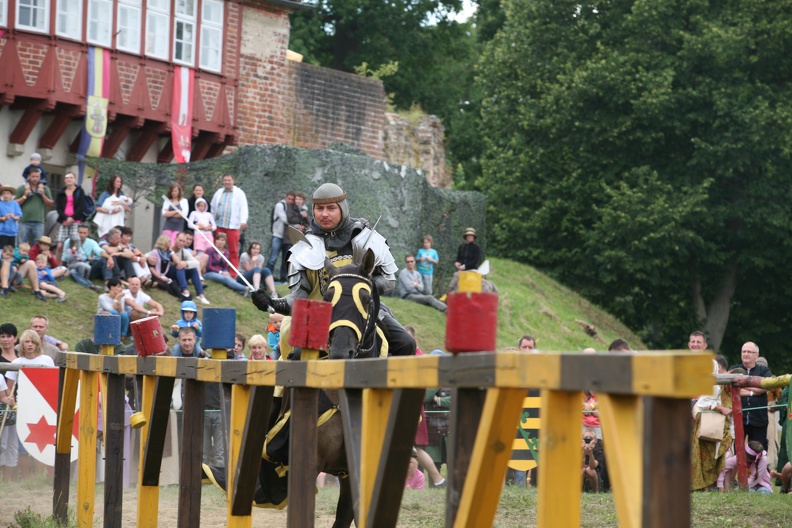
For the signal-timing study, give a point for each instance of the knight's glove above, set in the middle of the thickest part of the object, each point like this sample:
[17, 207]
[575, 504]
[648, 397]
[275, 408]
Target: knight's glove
[264, 302]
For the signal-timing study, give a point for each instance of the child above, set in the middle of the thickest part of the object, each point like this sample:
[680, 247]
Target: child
[415, 477]
[426, 258]
[35, 161]
[189, 313]
[204, 222]
[238, 352]
[258, 348]
[10, 213]
[47, 281]
[273, 334]
[299, 204]
[591, 462]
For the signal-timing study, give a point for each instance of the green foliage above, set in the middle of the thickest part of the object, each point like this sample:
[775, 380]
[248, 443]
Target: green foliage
[640, 151]
[385, 70]
[27, 518]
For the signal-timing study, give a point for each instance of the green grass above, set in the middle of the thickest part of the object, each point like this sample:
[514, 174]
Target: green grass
[529, 302]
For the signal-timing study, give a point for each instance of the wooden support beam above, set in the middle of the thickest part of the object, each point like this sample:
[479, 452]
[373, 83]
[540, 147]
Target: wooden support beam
[26, 125]
[240, 405]
[74, 146]
[351, 406]
[147, 496]
[666, 462]
[166, 154]
[114, 450]
[89, 421]
[403, 418]
[559, 460]
[491, 452]
[148, 136]
[466, 408]
[246, 471]
[63, 118]
[217, 149]
[67, 399]
[202, 144]
[622, 435]
[119, 132]
[376, 407]
[191, 455]
[157, 430]
[302, 458]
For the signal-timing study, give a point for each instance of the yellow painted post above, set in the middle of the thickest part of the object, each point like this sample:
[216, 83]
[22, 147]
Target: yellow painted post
[71, 378]
[86, 480]
[559, 460]
[219, 353]
[622, 434]
[375, 412]
[469, 281]
[240, 399]
[148, 496]
[491, 451]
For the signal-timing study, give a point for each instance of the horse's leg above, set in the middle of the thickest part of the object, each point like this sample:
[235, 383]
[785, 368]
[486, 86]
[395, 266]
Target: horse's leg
[345, 511]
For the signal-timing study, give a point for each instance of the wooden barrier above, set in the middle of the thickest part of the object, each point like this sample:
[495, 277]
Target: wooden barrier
[645, 417]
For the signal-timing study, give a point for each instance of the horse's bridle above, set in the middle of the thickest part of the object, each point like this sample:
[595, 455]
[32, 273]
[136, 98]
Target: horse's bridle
[367, 336]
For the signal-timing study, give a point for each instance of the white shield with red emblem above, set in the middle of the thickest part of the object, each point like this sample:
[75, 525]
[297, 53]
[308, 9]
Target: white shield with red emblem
[37, 413]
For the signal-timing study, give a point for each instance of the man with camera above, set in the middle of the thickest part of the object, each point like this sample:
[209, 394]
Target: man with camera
[33, 198]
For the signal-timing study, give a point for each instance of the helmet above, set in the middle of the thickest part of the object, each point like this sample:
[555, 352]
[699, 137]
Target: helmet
[332, 193]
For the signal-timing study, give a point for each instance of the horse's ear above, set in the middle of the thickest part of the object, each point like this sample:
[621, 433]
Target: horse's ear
[367, 266]
[331, 270]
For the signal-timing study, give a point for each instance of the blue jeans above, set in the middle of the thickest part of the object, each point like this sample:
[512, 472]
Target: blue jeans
[77, 269]
[28, 230]
[181, 276]
[275, 248]
[225, 280]
[249, 276]
[124, 321]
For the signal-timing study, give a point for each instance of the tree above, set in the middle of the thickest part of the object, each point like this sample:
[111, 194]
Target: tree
[640, 151]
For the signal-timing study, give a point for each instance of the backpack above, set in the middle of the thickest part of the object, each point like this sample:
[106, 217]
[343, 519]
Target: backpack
[89, 207]
[272, 214]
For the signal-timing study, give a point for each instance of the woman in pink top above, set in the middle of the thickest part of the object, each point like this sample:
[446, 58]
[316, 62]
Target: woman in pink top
[758, 475]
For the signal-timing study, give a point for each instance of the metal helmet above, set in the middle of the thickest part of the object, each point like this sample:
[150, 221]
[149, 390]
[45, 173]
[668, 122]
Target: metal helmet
[332, 193]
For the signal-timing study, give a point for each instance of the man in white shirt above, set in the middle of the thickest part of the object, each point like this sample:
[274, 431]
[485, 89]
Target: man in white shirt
[137, 302]
[230, 210]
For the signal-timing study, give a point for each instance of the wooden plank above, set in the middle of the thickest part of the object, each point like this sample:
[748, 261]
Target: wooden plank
[667, 432]
[147, 496]
[622, 434]
[68, 403]
[559, 460]
[191, 455]
[376, 407]
[60, 492]
[253, 436]
[89, 421]
[466, 408]
[114, 450]
[302, 458]
[491, 452]
[351, 407]
[403, 418]
[157, 430]
[240, 404]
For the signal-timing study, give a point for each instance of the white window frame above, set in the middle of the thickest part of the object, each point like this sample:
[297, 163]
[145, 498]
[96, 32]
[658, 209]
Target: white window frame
[212, 26]
[42, 6]
[70, 15]
[100, 21]
[158, 45]
[184, 18]
[3, 13]
[129, 29]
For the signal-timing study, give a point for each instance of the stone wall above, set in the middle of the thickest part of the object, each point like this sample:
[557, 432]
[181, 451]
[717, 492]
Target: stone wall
[418, 146]
[409, 206]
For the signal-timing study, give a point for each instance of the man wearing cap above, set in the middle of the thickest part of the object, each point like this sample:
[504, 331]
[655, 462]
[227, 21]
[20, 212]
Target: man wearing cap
[42, 247]
[335, 235]
[33, 198]
[469, 253]
[230, 210]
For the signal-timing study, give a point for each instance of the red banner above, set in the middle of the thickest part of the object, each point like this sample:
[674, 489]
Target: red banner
[181, 113]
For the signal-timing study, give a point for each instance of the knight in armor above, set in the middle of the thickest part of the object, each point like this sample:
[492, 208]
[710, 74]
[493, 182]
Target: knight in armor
[335, 235]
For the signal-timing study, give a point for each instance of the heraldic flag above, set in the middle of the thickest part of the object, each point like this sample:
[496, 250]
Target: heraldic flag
[95, 127]
[37, 414]
[182, 113]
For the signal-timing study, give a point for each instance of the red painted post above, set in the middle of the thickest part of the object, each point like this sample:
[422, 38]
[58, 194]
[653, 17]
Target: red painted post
[465, 306]
[739, 439]
[310, 324]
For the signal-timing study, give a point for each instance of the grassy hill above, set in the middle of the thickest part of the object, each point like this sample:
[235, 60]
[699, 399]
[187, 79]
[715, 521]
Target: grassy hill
[529, 302]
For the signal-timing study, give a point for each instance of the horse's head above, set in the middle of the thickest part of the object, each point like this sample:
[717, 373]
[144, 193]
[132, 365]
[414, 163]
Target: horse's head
[355, 306]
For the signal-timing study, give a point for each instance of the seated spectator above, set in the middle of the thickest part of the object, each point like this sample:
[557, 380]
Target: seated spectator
[159, 263]
[786, 477]
[111, 206]
[30, 353]
[592, 459]
[184, 268]
[527, 344]
[87, 255]
[139, 304]
[217, 267]
[189, 319]
[87, 346]
[253, 267]
[10, 214]
[112, 302]
[15, 268]
[122, 255]
[202, 220]
[35, 163]
[131, 252]
[415, 478]
[411, 286]
[47, 281]
[173, 211]
[258, 348]
[620, 345]
[42, 247]
[758, 475]
[487, 286]
[49, 344]
[203, 258]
